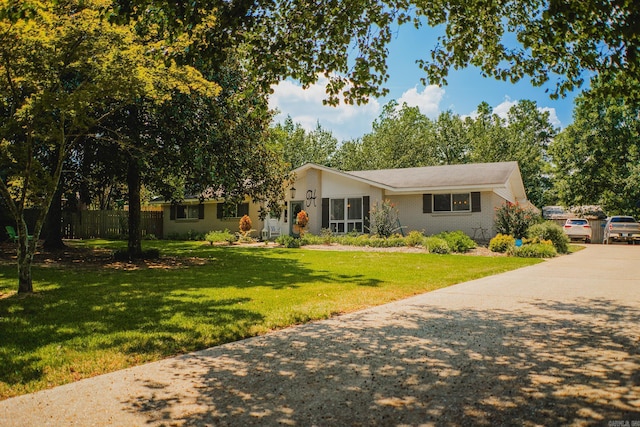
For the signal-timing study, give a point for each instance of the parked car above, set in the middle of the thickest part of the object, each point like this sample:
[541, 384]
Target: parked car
[621, 229]
[578, 229]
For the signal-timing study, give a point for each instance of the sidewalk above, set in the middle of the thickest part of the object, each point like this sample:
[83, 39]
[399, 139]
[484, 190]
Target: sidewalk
[557, 343]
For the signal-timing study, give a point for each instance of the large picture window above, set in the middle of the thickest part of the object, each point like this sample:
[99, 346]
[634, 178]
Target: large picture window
[224, 210]
[455, 202]
[345, 215]
[187, 212]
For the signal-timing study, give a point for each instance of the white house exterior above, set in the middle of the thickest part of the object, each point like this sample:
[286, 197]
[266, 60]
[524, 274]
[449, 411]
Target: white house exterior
[429, 199]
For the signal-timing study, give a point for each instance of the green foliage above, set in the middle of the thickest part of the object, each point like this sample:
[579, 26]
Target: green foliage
[298, 146]
[414, 238]
[534, 250]
[191, 235]
[597, 158]
[436, 245]
[220, 236]
[288, 241]
[551, 231]
[457, 241]
[384, 219]
[326, 235]
[502, 243]
[513, 219]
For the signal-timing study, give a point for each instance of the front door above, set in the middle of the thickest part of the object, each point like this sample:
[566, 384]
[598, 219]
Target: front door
[294, 210]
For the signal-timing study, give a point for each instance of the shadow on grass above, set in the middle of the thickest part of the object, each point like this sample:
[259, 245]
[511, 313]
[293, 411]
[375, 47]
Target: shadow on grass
[145, 314]
[542, 363]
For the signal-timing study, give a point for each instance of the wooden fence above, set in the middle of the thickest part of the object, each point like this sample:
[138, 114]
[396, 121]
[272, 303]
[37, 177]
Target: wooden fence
[108, 224]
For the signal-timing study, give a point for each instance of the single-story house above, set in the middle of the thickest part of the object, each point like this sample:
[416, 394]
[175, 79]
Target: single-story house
[429, 199]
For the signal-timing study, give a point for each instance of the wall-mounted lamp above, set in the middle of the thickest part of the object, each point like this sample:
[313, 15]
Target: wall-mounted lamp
[293, 193]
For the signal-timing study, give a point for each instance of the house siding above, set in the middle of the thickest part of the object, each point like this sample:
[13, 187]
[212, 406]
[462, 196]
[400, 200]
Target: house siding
[410, 213]
[210, 222]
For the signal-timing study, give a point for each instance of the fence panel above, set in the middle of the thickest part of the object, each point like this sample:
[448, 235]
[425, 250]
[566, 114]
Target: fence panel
[108, 224]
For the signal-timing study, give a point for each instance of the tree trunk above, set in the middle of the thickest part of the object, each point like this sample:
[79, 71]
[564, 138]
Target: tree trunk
[52, 227]
[25, 259]
[135, 234]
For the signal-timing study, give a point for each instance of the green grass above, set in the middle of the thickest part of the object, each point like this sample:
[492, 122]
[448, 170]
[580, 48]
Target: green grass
[93, 319]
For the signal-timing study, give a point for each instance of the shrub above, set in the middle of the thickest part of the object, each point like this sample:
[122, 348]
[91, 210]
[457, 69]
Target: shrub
[415, 238]
[326, 235]
[288, 241]
[220, 237]
[245, 225]
[436, 245]
[384, 219]
[457, 241]
[502, 243]
[535, 250]
[550, 231]
[513, 219]
[310, 239]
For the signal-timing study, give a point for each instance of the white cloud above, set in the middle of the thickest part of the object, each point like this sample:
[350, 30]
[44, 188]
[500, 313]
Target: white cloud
[502, 109]
[428, 101]
[553, 117]
[305, 107]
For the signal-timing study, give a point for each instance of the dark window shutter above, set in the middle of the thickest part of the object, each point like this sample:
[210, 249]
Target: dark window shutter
[220, 210]
[366, 207]
[426, 203]
[325, 213]
[201, 211]
[475, 201]
[243, 209]
[172, 212]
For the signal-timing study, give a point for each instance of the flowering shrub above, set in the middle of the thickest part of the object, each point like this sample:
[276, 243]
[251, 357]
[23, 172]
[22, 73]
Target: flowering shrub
[513, 219]
[384, 219]
[245, 225]
[501, 243]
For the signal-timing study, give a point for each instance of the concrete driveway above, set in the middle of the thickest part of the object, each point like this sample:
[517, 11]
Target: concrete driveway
[553, 344]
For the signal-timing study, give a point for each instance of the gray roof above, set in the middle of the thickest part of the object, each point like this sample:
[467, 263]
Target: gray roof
[473, 174]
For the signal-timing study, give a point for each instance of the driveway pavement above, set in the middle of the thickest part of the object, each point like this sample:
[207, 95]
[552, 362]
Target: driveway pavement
[553, 344]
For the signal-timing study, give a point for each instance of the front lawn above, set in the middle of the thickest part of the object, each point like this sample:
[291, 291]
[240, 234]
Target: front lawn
[97, 316]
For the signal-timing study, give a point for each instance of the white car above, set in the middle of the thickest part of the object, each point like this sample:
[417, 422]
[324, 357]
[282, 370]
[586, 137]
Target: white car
[578, 229]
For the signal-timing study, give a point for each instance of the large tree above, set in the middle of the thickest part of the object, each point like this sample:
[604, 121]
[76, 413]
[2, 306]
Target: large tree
[298, 146]
[64, 71]
[596, 159]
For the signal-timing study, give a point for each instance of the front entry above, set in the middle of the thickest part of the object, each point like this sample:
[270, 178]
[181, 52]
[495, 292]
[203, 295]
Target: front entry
[294, 210]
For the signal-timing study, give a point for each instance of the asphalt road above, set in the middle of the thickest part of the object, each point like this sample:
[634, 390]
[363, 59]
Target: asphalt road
[553, 344]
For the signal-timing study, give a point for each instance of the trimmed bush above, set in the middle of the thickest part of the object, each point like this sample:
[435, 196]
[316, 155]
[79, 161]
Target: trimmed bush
[502, 243]
[415, 238]
[549, 230]
[288, 241]
[535, 250]
[458, 241]
[436, 245]
[220, 237]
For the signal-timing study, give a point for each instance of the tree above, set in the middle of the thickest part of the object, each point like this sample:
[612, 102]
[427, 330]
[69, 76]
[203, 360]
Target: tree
[401, 137]
[299, 146]
[65, 70]
[596, 160]
[509, 39]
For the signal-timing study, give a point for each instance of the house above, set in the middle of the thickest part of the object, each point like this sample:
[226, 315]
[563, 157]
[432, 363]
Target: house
[194, 215]
[430, 199]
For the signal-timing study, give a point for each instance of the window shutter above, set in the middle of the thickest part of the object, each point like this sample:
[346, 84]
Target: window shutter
[220, 210]
[243, 209]
[172, 212]
[201, 211]
[475, 201]
[325, 213]
[426, 203]
[366, 207]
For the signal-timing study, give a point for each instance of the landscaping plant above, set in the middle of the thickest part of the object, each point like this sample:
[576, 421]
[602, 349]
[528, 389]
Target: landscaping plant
[513, 219]
[502, 243]
[549, 230]
[384, 219]
[457, 241]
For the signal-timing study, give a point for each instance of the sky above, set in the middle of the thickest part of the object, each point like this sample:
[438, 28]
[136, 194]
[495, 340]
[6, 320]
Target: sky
[465, 90]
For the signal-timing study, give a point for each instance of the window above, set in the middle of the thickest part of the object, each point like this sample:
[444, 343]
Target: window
[345, 215]
[460, 202]
[187, 212]
[223, 210]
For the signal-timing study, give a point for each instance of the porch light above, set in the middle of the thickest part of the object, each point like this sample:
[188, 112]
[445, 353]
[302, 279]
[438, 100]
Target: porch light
[293, 192]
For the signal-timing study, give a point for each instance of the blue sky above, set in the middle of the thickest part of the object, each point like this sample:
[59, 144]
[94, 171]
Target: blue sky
[465, 90]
